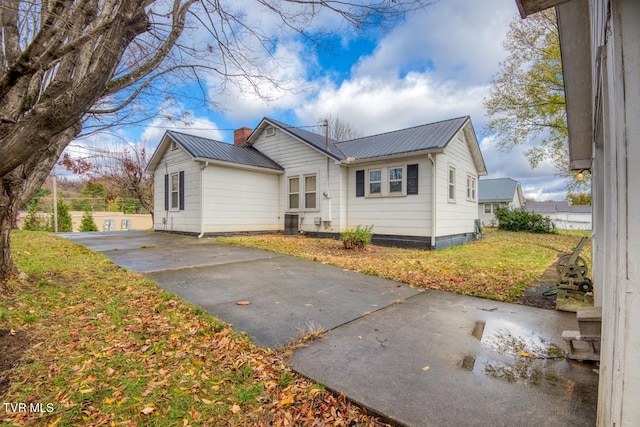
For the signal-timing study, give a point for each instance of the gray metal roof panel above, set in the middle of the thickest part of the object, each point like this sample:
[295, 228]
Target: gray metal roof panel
[547, 207]
[496, 190]
[206, 148]
[427, 137]
[314, 139]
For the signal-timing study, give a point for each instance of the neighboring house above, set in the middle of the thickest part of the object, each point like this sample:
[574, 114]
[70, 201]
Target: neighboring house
[497, 193]
[563, 215]
[600, 46]
[416, 186]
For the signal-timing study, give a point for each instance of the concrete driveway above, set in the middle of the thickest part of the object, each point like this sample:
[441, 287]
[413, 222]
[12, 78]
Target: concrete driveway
[417, 358]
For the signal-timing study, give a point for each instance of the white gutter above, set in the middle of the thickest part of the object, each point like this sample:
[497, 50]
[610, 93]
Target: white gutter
[433, 200]
[202, 168]
[357, 161]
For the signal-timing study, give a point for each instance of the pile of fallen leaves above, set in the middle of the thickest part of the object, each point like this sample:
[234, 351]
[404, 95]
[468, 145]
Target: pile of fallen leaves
[499, 266]
[107, 347]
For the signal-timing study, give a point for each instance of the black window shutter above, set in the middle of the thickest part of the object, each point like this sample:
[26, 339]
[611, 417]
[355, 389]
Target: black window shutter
[181, 190]
[412, 179]
[360, 183]
[166, 192]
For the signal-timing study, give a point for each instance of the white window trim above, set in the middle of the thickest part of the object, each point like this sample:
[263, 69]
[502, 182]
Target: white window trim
[472, 188]
[403, 173]
[368, 182]
[488, 205]
[451, 184]
[385, 181]
[270, 131]
[175, 207]
[304, 190]
[289, 193]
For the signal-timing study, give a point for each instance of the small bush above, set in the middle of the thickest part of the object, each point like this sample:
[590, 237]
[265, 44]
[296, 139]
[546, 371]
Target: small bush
[521, 220]
[87, 223]
[358, 238]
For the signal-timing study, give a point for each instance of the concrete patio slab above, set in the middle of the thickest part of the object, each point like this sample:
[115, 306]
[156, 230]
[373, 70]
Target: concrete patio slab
[441, 359]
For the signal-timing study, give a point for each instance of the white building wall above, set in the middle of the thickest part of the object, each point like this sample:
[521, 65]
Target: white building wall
[299, 159]
[617, 225]
[240, 200]
[405, 215]
[187, 220]
[455, 216]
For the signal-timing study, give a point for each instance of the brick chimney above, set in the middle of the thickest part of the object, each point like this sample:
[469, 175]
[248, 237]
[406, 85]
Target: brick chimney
[240, 135]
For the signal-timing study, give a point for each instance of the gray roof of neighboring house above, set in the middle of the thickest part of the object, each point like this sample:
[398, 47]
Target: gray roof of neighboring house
[431, 136]
[497, 190]
[553, 207]
[205, 148]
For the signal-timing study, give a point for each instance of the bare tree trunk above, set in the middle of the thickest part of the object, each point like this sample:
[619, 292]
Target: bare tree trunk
[19, 186]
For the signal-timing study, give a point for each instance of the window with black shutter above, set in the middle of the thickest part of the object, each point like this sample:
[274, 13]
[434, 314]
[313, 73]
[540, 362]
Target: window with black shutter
[412, 179]
[166, 192]
[360, 183]
[181, 190]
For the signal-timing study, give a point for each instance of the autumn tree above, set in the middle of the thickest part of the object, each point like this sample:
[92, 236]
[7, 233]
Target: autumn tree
[121, 169]
[579, 198]
[526, 103]
[69, 66]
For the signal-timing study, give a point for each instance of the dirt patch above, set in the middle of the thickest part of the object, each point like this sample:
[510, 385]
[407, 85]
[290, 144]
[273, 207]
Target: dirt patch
[533, 297]
[12, 346]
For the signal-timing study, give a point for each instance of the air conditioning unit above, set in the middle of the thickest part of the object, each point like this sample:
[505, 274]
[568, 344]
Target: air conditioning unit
[317, 220]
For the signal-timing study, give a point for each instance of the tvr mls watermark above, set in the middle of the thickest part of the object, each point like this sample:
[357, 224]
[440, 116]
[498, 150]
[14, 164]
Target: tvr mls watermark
[32, 407]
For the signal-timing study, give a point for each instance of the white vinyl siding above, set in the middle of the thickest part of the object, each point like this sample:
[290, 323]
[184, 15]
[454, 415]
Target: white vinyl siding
[301, 160]
[172, 163]
[455, 215]
[238, 200]
[408, 215]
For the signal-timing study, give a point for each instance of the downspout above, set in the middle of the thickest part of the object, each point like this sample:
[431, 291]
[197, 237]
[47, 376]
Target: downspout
[202, 168]
[166, 213]
[433, 200]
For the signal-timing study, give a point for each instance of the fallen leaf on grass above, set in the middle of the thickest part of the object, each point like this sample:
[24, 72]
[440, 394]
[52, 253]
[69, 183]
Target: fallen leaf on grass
[286, 401]
[149, 409]
[524, 353]
[236, 408]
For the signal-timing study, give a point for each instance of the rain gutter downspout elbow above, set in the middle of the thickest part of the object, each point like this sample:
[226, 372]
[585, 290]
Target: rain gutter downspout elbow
[433, 200]
[202, 168]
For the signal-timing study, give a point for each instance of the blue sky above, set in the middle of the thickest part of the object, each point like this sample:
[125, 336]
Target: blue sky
[436, 65]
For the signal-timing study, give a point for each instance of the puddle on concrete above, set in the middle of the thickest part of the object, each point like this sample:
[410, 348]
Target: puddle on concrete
[521, 355]
[511, 339]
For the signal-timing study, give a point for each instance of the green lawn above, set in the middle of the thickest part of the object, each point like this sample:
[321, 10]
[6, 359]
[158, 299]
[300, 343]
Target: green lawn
[499, 266]
[99, 345]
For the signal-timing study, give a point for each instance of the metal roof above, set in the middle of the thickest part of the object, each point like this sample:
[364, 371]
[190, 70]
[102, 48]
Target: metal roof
[497, 190]
[553, 207]
[432, 136]
[210, 149]
[316, 140]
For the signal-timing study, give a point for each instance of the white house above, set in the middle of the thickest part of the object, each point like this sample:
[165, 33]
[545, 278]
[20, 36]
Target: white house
[563, 215]
[416, 186]
[497, 193]
[600, 46]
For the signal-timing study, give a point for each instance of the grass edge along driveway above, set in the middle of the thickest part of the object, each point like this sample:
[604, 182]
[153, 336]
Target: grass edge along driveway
[94, 344]
[499, 266]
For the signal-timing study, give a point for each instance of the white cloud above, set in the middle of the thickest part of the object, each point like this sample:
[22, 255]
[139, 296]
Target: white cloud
[378, 105]
[203, 127]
